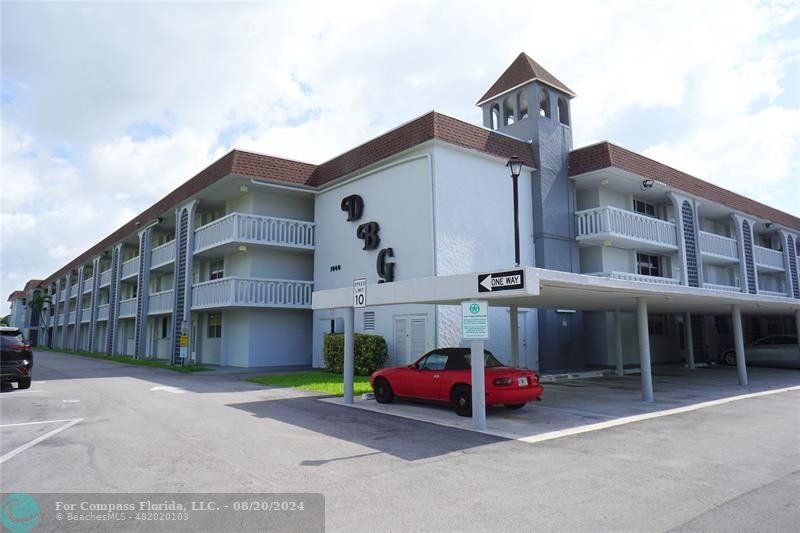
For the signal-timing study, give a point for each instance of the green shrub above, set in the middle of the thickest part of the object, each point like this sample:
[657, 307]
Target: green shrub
[370, 353]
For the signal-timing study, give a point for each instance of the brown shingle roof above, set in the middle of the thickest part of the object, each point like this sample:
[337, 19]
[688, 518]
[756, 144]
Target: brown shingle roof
[429, 126]
[605, 155]
[522, 70]
[16, 294]
[33, 283]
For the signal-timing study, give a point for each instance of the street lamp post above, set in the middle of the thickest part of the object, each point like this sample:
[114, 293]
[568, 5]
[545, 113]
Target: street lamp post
[515, 167]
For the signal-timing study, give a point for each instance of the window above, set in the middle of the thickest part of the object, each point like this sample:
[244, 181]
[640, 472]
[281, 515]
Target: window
[214, 325]
[164, 326]
[658, 325]
[563, 111]
[508, 111]
[369, 320]
[435, 361]
[495, 112]
[544, 103]
[522, 104]
[217, 270]
[773, 326]
[644, 208]
[647, 265]
[156, 284]
[722, 325]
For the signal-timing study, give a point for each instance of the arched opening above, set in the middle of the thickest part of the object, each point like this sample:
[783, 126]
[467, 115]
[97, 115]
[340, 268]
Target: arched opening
[563, 111]
[508, 111]
[544, 103]
[522, 104]
[495, 116]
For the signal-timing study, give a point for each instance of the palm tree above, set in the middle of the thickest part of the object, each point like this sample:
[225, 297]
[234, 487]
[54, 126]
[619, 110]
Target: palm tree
[42, 302]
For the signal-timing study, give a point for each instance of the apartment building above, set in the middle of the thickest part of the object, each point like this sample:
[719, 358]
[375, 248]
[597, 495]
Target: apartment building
[231, 257]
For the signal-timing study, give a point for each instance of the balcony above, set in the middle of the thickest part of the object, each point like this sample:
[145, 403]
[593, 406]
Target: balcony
[769, 260]
[630, 276]
[625, 229]
[87, 285]
[160, 303]
[62, 295]
[73, 291]
[232, 230]
[60, 319]
[127, 308]
[102, 312]
[105, 278]
[130, 268]
[718, 287]
[251, 292]
[163, 255]
[86, 314]
[72, 316]
[717, 249]
[779, 294]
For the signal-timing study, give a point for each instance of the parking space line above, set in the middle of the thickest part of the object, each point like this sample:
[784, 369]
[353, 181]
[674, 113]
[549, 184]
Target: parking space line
[34, 423]
[39, 439]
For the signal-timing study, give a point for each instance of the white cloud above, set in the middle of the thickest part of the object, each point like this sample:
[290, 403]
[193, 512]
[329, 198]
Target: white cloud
[82, 82]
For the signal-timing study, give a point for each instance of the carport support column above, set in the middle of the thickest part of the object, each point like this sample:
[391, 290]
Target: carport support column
[644, 350]
[738, 342]
[797, 324]
[349, 318]
[618, 343]
[514, 336]
[687, 334]
[478, 386]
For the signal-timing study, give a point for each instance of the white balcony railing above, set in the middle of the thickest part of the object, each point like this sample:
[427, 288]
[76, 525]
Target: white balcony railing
[127, 308]
[768, 258]
[163, 255]
[105, 278]
[60, 319]
[630, 276]
[719, 287]
[88, 283]
[62, 295]
[251, 292]
[86, 314]
[713, 244]
[255, 229]
[614, 222]
[160, 302]
[130, 268]
[102, 312]
[73, 291]
[779, 294]
[72, 316]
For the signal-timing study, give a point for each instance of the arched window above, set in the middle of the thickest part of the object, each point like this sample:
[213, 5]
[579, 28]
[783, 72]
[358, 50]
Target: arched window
[544, 103]
[508, 111]
[563, 111]
[522, 104]
[495, 116]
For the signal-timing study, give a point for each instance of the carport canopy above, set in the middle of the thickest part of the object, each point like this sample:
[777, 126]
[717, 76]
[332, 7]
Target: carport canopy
[550, 289]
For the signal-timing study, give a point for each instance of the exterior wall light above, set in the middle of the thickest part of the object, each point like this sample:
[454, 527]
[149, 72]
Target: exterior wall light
[647, 184]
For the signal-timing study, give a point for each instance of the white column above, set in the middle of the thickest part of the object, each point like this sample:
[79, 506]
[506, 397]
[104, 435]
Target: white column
[618, 343]
[514, 336]
[478, 386]
[687, 333]
[644, 350]
[738, 341]
[797, 325]
[349, 318]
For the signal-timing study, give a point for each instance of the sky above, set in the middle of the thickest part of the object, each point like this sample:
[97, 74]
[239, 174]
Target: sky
[106, 107]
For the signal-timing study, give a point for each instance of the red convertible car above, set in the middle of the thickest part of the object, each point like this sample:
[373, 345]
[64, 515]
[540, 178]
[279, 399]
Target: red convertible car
[444, 375]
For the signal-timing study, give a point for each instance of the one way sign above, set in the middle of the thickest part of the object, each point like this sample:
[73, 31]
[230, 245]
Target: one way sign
[501, 281]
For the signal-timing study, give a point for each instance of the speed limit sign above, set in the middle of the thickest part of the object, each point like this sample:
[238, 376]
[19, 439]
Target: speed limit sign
[359, 292]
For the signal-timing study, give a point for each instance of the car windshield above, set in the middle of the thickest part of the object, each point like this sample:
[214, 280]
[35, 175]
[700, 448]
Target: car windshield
[489, 360]
[11, 338]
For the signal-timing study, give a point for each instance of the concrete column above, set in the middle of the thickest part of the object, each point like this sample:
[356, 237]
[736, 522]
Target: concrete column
[93, 305]
[514, 335]
[644, 350]
[797, 325]
[76, 341]
[143, 293]
[478, 386]
[687, 333]
[618, 343]
[738, 341]
[349, 319]
[65, 330]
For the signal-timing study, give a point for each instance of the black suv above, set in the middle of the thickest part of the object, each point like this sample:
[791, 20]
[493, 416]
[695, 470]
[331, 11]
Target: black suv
[16, 362]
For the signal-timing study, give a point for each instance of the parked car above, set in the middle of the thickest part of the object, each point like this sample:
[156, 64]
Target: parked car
[773, 350]
[445, 375]
[16, 360]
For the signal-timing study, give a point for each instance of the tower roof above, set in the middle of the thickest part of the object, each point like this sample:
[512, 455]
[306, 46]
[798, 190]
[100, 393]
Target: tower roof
[521, 71]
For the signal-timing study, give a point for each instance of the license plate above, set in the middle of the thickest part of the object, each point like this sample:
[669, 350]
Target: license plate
[523, 382]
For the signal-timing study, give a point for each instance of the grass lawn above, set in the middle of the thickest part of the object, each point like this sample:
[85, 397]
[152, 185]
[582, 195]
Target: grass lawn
[314, 380]
[131, 361]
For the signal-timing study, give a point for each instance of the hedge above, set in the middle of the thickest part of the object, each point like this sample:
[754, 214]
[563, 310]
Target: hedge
[370, 353]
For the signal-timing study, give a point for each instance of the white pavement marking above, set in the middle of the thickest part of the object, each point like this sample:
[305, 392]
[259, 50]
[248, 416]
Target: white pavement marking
[34, 423]
[167, 388]
[70, 401]
[37, 440]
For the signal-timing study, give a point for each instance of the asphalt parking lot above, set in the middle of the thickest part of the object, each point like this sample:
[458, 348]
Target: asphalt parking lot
[94, 426]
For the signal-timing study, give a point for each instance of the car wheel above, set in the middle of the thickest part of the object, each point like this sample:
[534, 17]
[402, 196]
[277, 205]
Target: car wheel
[461, 398]
[383, 391]
[729, 358]
[514, 406]
[24, 383]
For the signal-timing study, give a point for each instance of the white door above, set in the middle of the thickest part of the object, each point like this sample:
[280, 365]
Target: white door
[410, 338]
